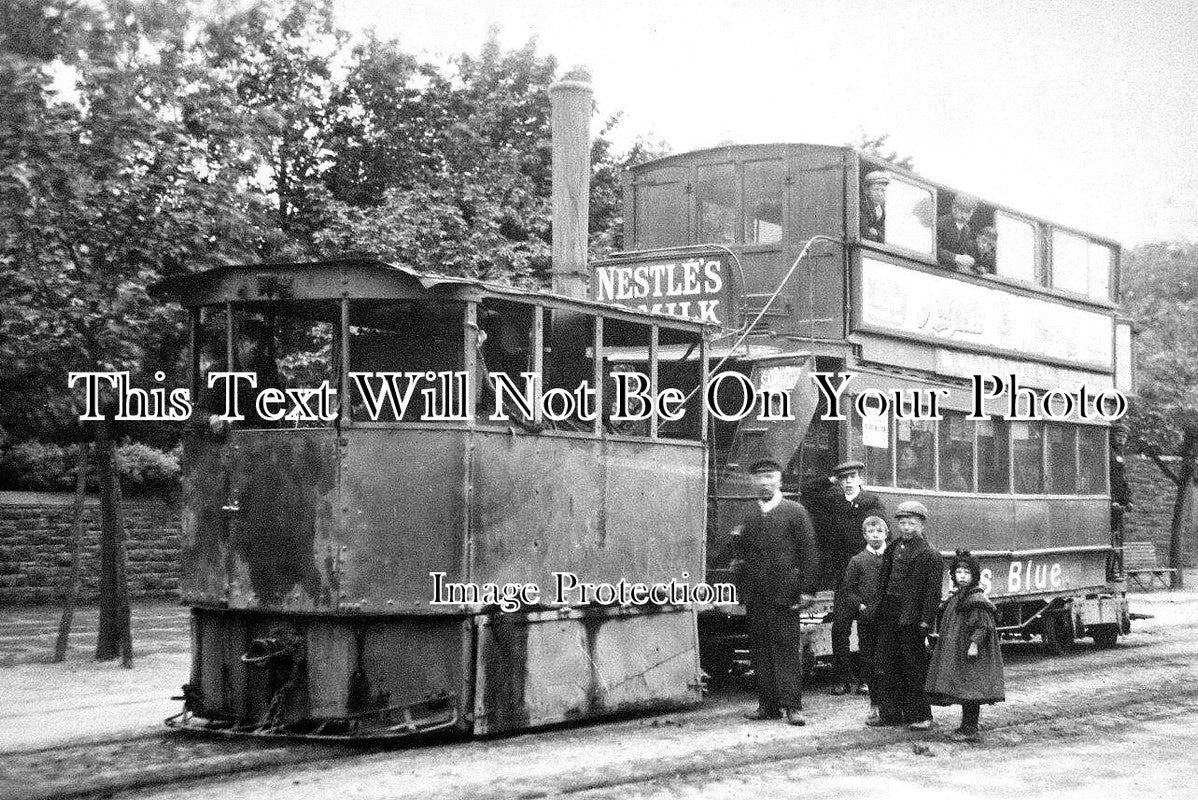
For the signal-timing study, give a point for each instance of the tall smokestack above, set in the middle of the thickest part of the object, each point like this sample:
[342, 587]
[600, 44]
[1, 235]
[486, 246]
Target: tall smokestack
[571, 101]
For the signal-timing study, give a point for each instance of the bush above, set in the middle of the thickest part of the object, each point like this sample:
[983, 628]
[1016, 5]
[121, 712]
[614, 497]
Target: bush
[142, 467]
[35, 466]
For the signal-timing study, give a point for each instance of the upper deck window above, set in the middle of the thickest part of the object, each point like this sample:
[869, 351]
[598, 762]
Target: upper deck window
[660, 215]
[763, 202]
[1081, 266]
[910, 217]
[715, 194]
[1015, 248]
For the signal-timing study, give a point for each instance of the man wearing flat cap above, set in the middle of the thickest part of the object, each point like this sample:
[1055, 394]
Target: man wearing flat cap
[873, 206]
[909, 585]
[956, 245]
[839, 505]
[776, 560]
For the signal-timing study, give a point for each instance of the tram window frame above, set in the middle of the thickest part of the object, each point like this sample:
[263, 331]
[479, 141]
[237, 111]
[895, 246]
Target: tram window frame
[1099, 460]
[866, 166]
[1060, 479]
[648, 231]
[733, 186]
[773, 169]
[267, 316]
[1001, 462]
[859, 450]
[1018, 487]
[944, 442]
[927, 474]
[1038, 276]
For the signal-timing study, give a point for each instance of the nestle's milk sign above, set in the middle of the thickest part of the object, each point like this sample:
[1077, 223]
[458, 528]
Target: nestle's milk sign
[691, 286]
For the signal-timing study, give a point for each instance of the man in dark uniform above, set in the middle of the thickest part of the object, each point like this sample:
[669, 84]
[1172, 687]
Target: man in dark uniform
[873, 206]
[909, 586]
[776, 556]
[1120, 489]
[840, 505]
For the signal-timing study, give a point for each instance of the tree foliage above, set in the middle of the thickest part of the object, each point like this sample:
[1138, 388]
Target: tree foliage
[262, 134]
[879, 148]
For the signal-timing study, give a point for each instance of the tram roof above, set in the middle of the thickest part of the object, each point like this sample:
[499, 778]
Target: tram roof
[330, 279]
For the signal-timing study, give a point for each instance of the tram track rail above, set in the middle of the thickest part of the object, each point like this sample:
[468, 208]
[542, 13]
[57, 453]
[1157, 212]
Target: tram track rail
[115, 766]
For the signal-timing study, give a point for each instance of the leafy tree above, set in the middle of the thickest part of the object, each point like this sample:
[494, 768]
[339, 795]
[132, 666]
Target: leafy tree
[1161, 294]
[878, 147]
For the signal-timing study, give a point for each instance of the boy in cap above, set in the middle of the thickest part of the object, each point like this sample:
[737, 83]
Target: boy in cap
[987, 251]
[840, 505]
[776, 557]
[955, 245]
[909, 584]
[873, 206]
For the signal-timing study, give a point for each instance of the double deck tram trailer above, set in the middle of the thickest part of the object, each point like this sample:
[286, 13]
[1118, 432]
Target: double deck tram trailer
[765, 241]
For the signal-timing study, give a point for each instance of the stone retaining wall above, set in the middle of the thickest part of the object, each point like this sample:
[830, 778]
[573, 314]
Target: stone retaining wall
[35, 546]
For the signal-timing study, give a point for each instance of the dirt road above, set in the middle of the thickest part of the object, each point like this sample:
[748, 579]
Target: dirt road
[1093, 724]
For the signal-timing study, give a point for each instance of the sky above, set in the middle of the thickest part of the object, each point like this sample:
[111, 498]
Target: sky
[1084, 112]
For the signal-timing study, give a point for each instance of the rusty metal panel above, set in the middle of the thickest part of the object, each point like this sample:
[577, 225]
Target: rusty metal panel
[204, 539]
[408, 659]
[603, 510]
[545, 668]
[403, 494]
[330, 663]
[282, 541]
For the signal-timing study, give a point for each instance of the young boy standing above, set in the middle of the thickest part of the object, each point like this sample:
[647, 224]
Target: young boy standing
[860, 590]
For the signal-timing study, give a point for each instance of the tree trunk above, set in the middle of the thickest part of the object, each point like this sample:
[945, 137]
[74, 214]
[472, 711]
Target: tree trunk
[1181, 505]
[77, 532]
[115, 637]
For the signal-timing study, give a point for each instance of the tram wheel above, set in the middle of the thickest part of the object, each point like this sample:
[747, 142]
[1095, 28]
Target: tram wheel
[1105, 636]
[1057, 633]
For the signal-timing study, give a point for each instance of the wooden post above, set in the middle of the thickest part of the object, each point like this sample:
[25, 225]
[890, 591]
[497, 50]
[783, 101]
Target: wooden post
[77, 531]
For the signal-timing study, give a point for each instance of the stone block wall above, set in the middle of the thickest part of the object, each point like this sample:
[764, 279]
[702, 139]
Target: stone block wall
[1151, 518]
[35, 546]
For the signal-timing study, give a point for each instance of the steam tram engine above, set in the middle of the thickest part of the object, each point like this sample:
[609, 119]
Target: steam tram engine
[800, 280]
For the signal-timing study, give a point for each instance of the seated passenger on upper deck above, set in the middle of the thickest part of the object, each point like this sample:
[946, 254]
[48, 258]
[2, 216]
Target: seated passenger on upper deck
[873, 206]
[987, 249]
[955, 245]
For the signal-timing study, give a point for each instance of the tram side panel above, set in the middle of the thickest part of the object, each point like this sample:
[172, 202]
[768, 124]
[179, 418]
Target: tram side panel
[308, 554]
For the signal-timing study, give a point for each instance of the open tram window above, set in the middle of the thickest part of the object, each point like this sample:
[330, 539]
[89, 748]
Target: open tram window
[956, 453]
[287, 346]
[994, 465]
[871, 442]
[763, 202]
[1027, 455]
[1061, 446]
[715, 194]
[967, 238]
[1081, 266]
[910, 217]
[916, 453]
[401, 336]
[1091, 459]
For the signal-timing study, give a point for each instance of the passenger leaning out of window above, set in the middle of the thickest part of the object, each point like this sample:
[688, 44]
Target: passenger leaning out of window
[987, 251]
[956, 245]
[873, 206]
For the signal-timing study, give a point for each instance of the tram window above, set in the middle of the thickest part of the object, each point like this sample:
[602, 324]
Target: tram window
[763, 202]
[715, 193]
[871, 442]
[1016, 248]
[1092, 459]
[916, 451]
[1027, 452]
[1070, 262]
[1061, 442]
[287, 346]
[956, 453]
[212, 349]
[1101, 258]
[910, 217]
[402, 336]
[993, 461]
[660, 214]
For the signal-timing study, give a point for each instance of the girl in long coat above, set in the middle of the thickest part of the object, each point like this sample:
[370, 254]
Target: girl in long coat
[966, 666]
